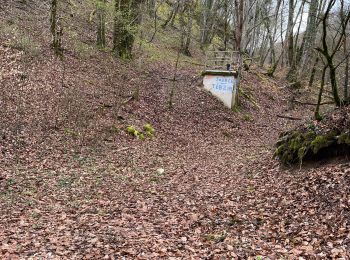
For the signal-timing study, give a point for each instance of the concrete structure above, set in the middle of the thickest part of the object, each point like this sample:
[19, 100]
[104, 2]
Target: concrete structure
[222, 84]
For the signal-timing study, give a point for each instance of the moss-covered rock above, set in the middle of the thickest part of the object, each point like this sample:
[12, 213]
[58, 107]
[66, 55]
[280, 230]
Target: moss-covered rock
[296, 145]
[344, 139]
[319, 142]
[290, 146]
[314, 140]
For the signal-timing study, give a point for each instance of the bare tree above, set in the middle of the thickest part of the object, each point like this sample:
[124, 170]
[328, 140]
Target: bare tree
[328, 52]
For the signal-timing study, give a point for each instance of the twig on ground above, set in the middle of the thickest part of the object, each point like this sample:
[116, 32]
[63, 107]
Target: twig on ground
[289, 117]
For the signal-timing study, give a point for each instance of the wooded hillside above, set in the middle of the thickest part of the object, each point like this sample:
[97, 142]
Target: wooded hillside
[111, 148]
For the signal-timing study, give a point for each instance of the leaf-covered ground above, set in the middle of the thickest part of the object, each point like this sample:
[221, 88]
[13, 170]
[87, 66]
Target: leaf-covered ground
[75, 185]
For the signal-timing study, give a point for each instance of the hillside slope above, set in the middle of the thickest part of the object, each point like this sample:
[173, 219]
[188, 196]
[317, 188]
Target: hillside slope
[74, 184]
[84, 188]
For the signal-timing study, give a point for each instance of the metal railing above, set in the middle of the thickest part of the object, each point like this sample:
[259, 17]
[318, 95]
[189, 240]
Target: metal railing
[219, 60]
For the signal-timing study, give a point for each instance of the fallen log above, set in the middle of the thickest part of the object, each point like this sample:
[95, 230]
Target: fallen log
[289, 117]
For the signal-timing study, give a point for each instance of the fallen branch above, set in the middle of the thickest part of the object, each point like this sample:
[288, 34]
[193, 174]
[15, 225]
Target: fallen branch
[122, 149]
[313, 104]
[128, 100]
[177, 79]
[193, 63]
[171, 79]
[289, 117]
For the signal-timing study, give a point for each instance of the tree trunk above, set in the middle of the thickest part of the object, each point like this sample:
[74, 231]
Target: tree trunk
[53, 23]
[313, 72]
[206, 22]
[101, 23]
[262, 51]
[226, 24]
[346, 74]
[296, 40]
[308, 42]
[333, 77]
[56, 30]
[188, 36]
[186, 28]
[290, 42]
[267, 24]
[345, 21]
[126, 21]
[317, 110]
[238, 32]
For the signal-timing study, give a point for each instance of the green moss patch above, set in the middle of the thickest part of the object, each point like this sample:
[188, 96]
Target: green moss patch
[315, 140]
[294, 147]
[148, 128]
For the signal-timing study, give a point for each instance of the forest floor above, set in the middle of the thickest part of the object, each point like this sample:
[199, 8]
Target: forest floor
[221, 194]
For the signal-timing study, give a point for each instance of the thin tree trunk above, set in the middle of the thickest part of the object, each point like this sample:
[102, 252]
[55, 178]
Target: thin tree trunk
[345, 21]
[346, 73]
[172, 91]
[101, 23]
[329, 56]
[281, 36]
[53, 23]
[188, 35]
[262, 52]
[313, 72]
[290, 42]
[300, 13]
[317, 110]
[306, 53]
[206, 22]
[226, 24]
[238, 34]
[239, 4]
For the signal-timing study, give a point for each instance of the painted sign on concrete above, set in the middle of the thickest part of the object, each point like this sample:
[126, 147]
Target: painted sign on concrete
[222, 86]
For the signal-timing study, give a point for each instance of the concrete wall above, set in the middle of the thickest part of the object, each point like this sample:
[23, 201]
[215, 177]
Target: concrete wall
[224, 87]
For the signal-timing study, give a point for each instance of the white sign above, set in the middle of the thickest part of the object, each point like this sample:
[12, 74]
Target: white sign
[223, 87]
